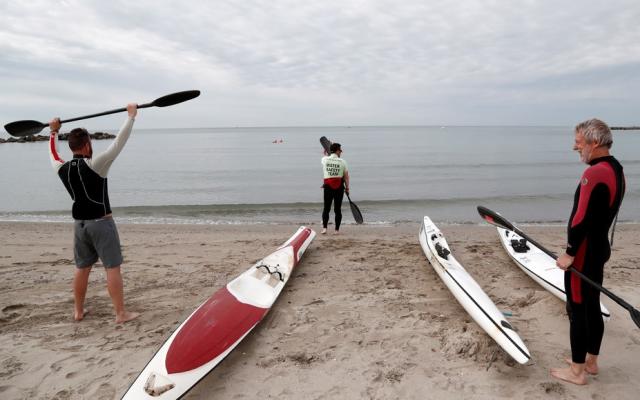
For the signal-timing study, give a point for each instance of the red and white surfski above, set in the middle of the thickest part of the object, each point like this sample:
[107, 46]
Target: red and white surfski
[215, 328]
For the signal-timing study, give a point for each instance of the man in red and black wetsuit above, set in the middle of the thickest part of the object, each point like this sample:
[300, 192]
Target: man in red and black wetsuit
[596, 204]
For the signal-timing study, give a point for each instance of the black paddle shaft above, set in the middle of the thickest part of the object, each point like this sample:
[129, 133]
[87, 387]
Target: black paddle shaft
[494, 218]
[30, 127]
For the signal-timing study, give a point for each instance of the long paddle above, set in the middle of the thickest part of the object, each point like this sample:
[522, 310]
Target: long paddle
[357, 215]
[498, 220]
[30, 127]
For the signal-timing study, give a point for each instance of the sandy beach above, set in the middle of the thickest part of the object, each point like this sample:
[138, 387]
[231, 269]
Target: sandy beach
[363, 317]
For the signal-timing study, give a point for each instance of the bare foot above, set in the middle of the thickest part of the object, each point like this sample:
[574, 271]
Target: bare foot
[568, 375]
[589, 369]
[79, 316]
[126, 316]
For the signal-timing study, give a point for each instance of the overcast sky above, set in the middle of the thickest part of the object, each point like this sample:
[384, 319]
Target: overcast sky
[328, 62]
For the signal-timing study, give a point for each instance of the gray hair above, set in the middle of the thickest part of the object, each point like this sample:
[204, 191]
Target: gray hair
[595, 131]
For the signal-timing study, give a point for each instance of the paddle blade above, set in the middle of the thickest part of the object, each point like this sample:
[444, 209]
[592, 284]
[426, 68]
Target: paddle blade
[24, 128]
[326, 144]
[175, 98]
[635, 316]
[357, 215]
[494, 218]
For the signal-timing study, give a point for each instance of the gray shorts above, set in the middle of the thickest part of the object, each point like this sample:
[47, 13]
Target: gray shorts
[96, 238]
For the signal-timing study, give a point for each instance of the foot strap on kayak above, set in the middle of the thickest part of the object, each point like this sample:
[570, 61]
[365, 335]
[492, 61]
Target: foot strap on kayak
[158, 384]
[519, 246]
[272, 272]
[506, 324]
[442, 251]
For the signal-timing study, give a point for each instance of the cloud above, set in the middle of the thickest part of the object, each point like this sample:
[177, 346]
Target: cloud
[323, 63]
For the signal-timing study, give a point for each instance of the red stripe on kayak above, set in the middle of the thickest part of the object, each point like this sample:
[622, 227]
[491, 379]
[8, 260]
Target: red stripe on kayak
[298, 242]
[211, 330]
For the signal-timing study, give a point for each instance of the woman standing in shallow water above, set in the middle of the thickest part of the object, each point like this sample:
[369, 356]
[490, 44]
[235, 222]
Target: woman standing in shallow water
[336, 183]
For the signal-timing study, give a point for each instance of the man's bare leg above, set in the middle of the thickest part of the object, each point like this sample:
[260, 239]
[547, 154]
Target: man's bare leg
[575, 374]
[591, 364]
[80, 283]
[116, 291]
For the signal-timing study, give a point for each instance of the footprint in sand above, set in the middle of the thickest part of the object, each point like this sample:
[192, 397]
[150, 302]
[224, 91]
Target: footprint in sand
[550, 388]
[104, 391]
[12, 312]
[12, 307]
[303, 359]
[62, 261]
[10, 366]
[63, 395]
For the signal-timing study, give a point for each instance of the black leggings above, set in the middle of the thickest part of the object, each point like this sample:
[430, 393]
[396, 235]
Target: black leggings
[586, 326]
[335, 196]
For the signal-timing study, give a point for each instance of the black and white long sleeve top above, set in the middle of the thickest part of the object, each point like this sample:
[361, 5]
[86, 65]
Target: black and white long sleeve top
[86, 178]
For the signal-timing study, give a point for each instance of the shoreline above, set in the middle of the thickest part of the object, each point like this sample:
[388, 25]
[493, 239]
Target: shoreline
[313, 225]
[363, 316]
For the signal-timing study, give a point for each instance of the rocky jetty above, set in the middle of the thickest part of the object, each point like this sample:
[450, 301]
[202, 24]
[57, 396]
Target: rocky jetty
[62, 136]
[625, 128]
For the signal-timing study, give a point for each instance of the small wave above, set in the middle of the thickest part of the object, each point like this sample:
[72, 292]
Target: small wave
[524, 209]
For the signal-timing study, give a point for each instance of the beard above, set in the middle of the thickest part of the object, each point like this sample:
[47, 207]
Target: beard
[585, 155]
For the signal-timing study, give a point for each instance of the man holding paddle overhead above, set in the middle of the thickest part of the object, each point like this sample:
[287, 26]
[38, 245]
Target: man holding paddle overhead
[95, 232]
[596, 204]
[336, 183]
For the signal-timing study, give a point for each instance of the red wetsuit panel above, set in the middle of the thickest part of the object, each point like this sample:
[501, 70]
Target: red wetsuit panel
[333, 183]
[596, 203]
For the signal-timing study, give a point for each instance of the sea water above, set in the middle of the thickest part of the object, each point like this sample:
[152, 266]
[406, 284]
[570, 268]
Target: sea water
[273, 175]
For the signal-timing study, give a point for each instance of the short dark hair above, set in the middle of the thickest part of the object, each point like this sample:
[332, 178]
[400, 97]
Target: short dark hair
[78, 138]
[335, 147]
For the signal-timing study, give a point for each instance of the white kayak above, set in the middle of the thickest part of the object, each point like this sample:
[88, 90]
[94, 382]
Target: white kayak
[469, 294]
[537, 264]
[217, 326]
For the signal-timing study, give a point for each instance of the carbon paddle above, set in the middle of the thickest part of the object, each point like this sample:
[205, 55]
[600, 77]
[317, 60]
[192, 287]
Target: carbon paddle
[498, 220]
[326, 144]
[357, 215]
[30, 127]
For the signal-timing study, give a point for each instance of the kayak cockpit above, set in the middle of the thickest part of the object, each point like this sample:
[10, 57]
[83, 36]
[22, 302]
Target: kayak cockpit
[260, 285]
[259, 288]
[273, 271]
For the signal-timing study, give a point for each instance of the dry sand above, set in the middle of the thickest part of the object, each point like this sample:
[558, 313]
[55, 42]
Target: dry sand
[364, 316]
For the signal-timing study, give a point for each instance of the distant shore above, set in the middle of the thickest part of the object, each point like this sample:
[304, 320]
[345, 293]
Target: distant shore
[62, 136]
[625, 128]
